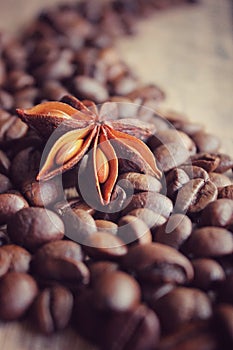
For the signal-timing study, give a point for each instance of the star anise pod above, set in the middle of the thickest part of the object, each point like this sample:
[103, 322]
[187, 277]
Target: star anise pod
[82, 127]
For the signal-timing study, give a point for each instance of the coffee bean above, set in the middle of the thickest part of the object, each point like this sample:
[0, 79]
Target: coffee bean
[20, 258]
[157, 263]
[88, 88]
[139, 182]
[154, 201]
[206, 273]
[52, 309]
[226, 192]
[103, 245]
[116, 292]
[220, 180]
[107, 226]
[195, 195]
[5, 184]
[4, 262]
[10, 203]
[175, 179]
[180, 306]
[75, 203]
[147, 92]
[151, 293]
[223, 318]
[53, 90]
[99, 268]
[151, 219]
[124, 85]
[207, 161]
[218, 213]
[32, 227]
[4, 163]
[225, 163]
[170, 155]
[195, 172]
[175, 231]
[18, 80]
[133, 230]
[17, 292]
[209, 241]
[6, 100]
[206, 142]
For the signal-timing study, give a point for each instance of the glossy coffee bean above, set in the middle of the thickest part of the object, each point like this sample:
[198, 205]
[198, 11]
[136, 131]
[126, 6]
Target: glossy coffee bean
[195, 195]
[17, 292]
[99, 268]
[195, 172]
[103, 245]
[4, 161]
[10, 204]
[133, 230]
[157, 263]
[206, 142]
[180, 306]
[4, 262]
[106, 225]
[5, 184]
[169, 136]
[116, 292]
[226, 192]
[225, 163]
[171, 155]
[20, 258]
[139, 182]
[151, 219]
[206, 273]
[175, 231]
[218, 213]
[52, 309]
[175, 179]
[207, 161]
[33, 227]
[88, 88]
[209, 242]
[220, 180]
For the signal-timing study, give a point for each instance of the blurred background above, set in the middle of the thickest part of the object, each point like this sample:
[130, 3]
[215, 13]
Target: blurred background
[187, 50]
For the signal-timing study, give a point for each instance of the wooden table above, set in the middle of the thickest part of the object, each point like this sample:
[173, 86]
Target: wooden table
[188, 51]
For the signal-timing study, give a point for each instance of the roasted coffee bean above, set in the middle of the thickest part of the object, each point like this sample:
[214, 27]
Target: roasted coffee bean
[154, 201]
[175, 231]
[147, 92]
[5, 184]
[156, 263]
[99, 268]
[4, 239]
[103, 245]
[124, 85]
[226, 192]
[4, 262]
[32, 227]
[209, 241]
[218, 213]
[175, 179]
[206, 142]
[206, 273]
[195, 195]
[171, 155]
[18, 80]
[42, 194]
[10, 203]
[6, 99]
[4, 163]
[52, 309]
[151, 293]
[116, 292]
[151, 219]
[107, 226]
[207, 161]
[225, 163]
[139, 182]
[223, 319]
[17, 292]
[20, 258]
[53, 90]
[88, 88]
[220, 180]
[195, 172]
[192, 336]
[133, 230]
[180, 306]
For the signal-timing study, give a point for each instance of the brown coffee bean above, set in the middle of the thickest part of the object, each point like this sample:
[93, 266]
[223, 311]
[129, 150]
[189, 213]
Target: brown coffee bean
[195, 195]
[226, 192]
[17, 292]
[151, 219]
[133, 230]
[139, 182]
[182, 305]
[175, 231]
[154, 201]
[107, 226]
[206, 142]
[207, 161]
[75, 203]
[10, 203]
[53, 90]
[4, 262]
[170, 155]
[210, 242]
[103, 245]
[226, 163]
[157, 263]
[32, 227]
[18, 80]
[219, 180]
[223, 318]
[151, 293]
[218, 213]
[116, 292]
[206, 273]
[124, 85]
[147, 92]
[88, 88]
[52, 309]
[20, 258]
[195, 172]
[175, 179]
[4, 162]
[99, 268]
[6, 100]
[5, 184]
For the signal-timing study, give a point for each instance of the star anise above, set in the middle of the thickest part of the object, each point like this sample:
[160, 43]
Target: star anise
[81, 128]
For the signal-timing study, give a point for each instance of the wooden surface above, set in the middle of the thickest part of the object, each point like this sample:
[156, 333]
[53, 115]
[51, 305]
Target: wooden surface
[188, 51]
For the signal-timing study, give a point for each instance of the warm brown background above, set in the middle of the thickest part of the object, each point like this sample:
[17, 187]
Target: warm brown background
[188, 51]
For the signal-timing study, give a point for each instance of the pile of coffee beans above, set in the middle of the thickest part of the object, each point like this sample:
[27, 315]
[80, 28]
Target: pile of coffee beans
[152, 273]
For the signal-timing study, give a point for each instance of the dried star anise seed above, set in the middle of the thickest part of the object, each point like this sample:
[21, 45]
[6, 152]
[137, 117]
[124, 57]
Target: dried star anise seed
[83, 127]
